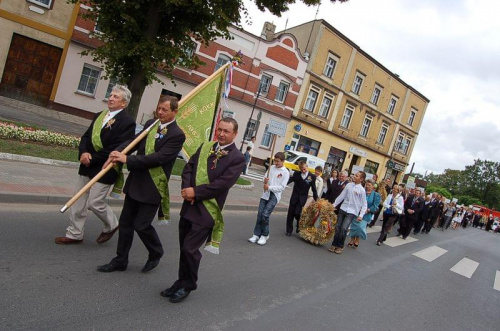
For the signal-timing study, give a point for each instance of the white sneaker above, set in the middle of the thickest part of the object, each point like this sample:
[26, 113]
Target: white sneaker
[254, 239]
[262, 240]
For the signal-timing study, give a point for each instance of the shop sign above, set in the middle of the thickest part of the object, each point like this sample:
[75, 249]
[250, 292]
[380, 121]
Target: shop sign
[358, 152]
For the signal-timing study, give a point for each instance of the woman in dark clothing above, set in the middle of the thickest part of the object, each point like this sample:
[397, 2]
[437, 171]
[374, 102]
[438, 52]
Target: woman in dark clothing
[424, 216]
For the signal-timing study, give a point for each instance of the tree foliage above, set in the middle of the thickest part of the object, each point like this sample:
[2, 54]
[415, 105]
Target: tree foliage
[142, 37]
[479, 181]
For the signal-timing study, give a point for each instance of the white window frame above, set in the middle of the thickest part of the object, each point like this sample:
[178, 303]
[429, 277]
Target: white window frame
[42, 3]
[252, 130]
[282, 92]
[384, 129]
[324, 109]
[222, 59]
[267, 137]
[112, 82]
[347, 116]
[265, 83]
[310, 103]
[330, 65]
[411, 117]
[357, 84]
[89, 78]
[406, 145]
[365, 128]
[399, 141]
[377, 92]
[392, 104]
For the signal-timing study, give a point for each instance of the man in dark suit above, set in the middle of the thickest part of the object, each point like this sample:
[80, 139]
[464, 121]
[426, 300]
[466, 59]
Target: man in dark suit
[434, 211]
[108, 130]
[412, 208]
[206, 180]
[336, 187]
[146, 188]
[303, 181]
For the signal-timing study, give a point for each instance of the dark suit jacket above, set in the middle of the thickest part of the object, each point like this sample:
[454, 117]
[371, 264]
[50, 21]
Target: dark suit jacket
[121, 130]
[139, 185]
[416, 206]
[434, 209]
[334, 190]
[301, 187]
[221, 178]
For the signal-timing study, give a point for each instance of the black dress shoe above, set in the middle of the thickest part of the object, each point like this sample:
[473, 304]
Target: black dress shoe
[168, 292]
[150, 265]
[110, 268]
[180, 295]
[297, 230]
[288, 234]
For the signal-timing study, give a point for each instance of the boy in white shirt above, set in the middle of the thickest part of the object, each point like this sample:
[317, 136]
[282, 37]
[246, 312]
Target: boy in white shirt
[274, 185]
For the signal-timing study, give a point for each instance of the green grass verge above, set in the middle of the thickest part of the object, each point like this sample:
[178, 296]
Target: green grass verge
[67, 154]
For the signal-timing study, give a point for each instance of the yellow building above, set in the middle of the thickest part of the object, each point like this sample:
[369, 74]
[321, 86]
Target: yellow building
[351, 110]
[33, 44]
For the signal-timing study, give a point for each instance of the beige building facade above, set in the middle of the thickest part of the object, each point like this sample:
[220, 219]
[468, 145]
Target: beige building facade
[352, 111]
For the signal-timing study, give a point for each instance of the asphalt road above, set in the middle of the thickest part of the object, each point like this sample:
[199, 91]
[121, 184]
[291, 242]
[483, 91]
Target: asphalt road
[285, 285]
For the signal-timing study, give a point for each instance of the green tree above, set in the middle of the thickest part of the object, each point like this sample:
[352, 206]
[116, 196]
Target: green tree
[483, 182]
[141, 37]
[439, 190]
[467, 200]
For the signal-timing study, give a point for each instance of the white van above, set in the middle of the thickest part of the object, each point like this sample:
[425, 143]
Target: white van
[292, 159]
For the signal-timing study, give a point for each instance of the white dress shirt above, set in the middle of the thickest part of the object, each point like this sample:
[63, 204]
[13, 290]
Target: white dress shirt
[278, 178]
[354, 197]
[109, 116]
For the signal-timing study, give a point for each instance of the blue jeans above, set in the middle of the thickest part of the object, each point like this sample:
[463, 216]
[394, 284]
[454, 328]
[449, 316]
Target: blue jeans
[343, 222]
[266, 207]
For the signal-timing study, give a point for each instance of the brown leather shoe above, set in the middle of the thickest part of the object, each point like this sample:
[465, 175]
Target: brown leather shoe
[105, 236]
[67, 241]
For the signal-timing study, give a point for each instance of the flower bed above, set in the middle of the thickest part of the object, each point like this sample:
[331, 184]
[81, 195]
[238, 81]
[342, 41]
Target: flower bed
[23, 133]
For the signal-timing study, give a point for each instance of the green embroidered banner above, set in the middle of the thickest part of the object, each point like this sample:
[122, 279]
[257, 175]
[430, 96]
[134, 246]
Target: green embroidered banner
[196, 114]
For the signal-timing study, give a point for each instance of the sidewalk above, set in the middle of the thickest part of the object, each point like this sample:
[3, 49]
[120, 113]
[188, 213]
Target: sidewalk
[25, 179]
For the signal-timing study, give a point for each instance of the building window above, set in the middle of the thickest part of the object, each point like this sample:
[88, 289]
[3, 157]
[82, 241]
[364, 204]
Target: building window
[366, 125]
[376, 94]
[346, 118]
[330, 65]
[265, 83]
[358, 83]
[308, 145]
[222, 60]
[43, 3]
[282, 92]
[325, 105]
[411, 118]
[406, 145]
[403, 143]
[251, 130]
[382, 134]
[266, 138]
[371, 167]
[112, 83]
[189, 52]
[392, 105]
[312, 96]
[88, 79]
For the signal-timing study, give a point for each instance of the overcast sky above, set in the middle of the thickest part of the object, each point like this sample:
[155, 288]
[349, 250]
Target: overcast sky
[448, 50]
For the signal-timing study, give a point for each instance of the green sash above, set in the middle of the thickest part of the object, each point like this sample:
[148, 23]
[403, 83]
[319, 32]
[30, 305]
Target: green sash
[159, 177]
[214, 240]
[97, 143]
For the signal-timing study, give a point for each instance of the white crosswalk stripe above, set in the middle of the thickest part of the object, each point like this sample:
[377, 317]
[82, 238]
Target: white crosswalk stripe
[397, 241]
[496, 285]
[253, 175]
[465, 267]
[430, 253]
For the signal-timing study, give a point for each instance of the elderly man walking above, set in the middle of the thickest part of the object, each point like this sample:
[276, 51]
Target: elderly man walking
[108, 130]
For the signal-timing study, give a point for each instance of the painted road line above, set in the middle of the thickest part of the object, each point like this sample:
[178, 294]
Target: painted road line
[430, 253]
[373, 229]
[465, 267]
[397, 241]
[496, 286]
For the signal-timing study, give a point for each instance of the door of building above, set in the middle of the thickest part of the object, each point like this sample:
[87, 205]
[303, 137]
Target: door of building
[30, 70]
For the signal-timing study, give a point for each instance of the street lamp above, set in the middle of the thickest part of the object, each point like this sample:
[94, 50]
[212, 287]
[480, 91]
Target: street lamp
[251, 115]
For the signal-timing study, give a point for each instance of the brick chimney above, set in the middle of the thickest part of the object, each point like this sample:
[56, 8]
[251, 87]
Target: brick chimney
[268, 31]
